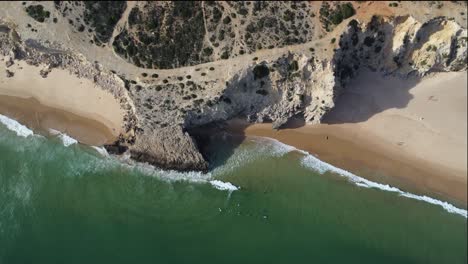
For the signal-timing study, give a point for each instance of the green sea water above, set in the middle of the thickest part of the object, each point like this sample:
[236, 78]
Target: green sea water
[70, 204]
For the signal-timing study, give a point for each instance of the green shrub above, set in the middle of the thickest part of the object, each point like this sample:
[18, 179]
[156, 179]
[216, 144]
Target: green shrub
[208, 51]
[225, 55]
[227, 20]
[294, 66]
[335, 16]
[37, 12]
[260, 71]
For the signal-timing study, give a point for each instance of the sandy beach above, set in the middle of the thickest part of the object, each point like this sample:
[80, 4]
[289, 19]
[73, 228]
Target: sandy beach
[60, 101]
[409, 133]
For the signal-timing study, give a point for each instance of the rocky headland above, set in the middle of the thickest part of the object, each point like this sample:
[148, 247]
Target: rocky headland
[175, 66]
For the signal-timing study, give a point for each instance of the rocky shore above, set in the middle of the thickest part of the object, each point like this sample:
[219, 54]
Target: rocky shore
[274, 85]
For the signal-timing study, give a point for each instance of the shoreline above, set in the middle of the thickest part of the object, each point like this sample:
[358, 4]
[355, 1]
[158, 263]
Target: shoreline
[41, 119]
[358, 139]
[368, 160]
[409, 133]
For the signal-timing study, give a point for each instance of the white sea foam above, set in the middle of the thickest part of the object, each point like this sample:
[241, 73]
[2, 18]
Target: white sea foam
[66, 139]
[18, 128]
[316, 164]
[273, 147]
[244, 155]
[224, 186]
[312, 162]
[101, 150]
[177, 176]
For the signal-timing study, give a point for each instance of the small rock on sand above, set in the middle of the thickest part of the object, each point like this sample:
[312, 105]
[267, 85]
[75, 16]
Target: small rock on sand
[9, 74]
[9, 62]
[44, 73]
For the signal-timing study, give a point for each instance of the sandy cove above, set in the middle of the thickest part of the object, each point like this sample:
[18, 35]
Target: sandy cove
[394, 131]
[61, 101]
[401, 132]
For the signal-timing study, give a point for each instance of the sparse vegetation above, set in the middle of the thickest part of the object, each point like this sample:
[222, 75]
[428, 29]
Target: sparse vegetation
[227, 20]
[37, 12]
[149, 41]
[225, 55]
[293, 66]
[335, 16]
[260, 71]
[103, 16]
[431, 48]
[208, 51]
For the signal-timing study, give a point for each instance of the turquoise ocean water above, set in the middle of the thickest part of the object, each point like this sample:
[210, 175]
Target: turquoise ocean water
[262, 202]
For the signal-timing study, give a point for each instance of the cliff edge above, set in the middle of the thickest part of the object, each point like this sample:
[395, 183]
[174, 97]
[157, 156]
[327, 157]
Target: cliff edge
[175, 66]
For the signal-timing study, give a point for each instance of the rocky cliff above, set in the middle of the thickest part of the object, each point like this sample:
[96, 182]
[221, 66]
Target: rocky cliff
[228, 60]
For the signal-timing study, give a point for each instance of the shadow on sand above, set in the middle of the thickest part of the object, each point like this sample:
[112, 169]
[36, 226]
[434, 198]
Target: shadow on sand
[366, 95]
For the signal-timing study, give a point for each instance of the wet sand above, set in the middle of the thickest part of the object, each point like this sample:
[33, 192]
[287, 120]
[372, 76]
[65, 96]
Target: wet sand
[404, 133]
[342, 147]
[41, 118]
[60, 101]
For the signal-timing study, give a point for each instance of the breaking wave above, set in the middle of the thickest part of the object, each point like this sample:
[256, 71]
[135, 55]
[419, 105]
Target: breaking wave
[311, 162]
[13, 125]
[314, 163]
[240, 157]
[224, 186]
[66, 139]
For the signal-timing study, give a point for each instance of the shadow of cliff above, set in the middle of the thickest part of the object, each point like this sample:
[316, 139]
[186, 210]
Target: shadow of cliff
[368, 94]
[218, 141]
[296, 121]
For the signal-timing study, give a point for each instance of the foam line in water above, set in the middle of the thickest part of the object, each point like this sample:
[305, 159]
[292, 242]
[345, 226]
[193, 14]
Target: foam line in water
[312, 162]
[316, 164]
[101, 150]
[224, 186]
[243, 155]
[66, 139]
[13, 125]
[175, 176]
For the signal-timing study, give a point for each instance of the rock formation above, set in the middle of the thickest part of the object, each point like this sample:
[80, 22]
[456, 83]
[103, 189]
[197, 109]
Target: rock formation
[225, 75]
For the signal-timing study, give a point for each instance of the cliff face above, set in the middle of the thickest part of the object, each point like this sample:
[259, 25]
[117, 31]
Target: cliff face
[275, 90]
[308, 84]
[402, 46]
[268, 85]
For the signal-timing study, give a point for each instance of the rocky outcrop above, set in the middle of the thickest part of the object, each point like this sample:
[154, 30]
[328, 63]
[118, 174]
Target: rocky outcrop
[162, 105]
[288, 85]
[272, 91]
[168, 147]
